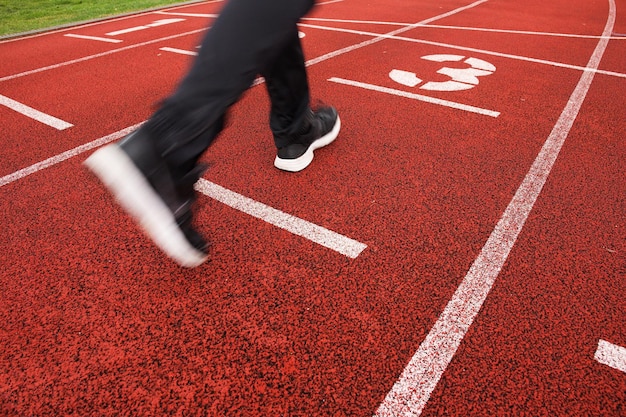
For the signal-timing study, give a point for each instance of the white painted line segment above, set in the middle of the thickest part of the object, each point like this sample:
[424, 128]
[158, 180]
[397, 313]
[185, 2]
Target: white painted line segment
[128, 30]
[411, 392]
[34, 114]
[414, 96]
[318, 234]
[92, 38]
[148, 26]
[178, 51]
[208, 15]
[611, 355]
[7, 179]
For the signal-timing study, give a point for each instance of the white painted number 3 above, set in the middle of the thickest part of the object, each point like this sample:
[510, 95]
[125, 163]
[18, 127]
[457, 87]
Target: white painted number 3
[460, 78]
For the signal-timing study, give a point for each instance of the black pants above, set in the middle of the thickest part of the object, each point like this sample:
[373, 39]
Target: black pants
[250, 37]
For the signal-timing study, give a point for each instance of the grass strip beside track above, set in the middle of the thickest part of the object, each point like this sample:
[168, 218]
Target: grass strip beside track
[19, 16]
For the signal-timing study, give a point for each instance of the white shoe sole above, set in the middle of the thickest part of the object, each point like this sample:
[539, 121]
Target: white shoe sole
[303, 161]
[133, 192]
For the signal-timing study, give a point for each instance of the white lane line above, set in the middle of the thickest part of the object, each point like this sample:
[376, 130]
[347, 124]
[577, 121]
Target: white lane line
[411, 392]
[381, 36]
[414, 96]
[614, 36]
[318, 234]
[34, 114]
[92, 38]
[178, 51]
[611, 355]
[17, 175]
[521, 32]
[365, 22]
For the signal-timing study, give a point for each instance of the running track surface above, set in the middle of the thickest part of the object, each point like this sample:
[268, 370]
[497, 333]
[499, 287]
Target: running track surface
[459, 250]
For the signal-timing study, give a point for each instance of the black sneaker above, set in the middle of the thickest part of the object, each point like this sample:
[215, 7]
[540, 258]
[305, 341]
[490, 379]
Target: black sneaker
[321, 128]
[138, 177]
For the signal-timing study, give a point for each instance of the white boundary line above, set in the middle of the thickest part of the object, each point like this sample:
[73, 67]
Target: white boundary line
[318, 234]
[34, 114]
[611, 355]
[411, 392]
[427, 99]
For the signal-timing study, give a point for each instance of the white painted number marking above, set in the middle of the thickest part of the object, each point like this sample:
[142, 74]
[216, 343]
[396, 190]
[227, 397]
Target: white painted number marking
[405, 78]
[460, 78]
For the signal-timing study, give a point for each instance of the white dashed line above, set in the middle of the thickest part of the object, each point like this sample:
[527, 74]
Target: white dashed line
[317, 234]
[34, 114]
[414, 96]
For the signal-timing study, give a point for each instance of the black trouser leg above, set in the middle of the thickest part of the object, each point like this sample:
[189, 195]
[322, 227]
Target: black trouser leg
[246, 39]
[288, 88]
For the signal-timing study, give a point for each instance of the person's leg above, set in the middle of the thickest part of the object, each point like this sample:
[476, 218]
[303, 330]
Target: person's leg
[151, 172]
[248, 36]
[288, 87]
[296, 128]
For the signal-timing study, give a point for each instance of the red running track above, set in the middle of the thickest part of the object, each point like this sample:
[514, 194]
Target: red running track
[472, 219]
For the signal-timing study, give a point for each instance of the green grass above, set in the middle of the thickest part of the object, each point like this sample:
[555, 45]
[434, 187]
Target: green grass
[17, 16]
